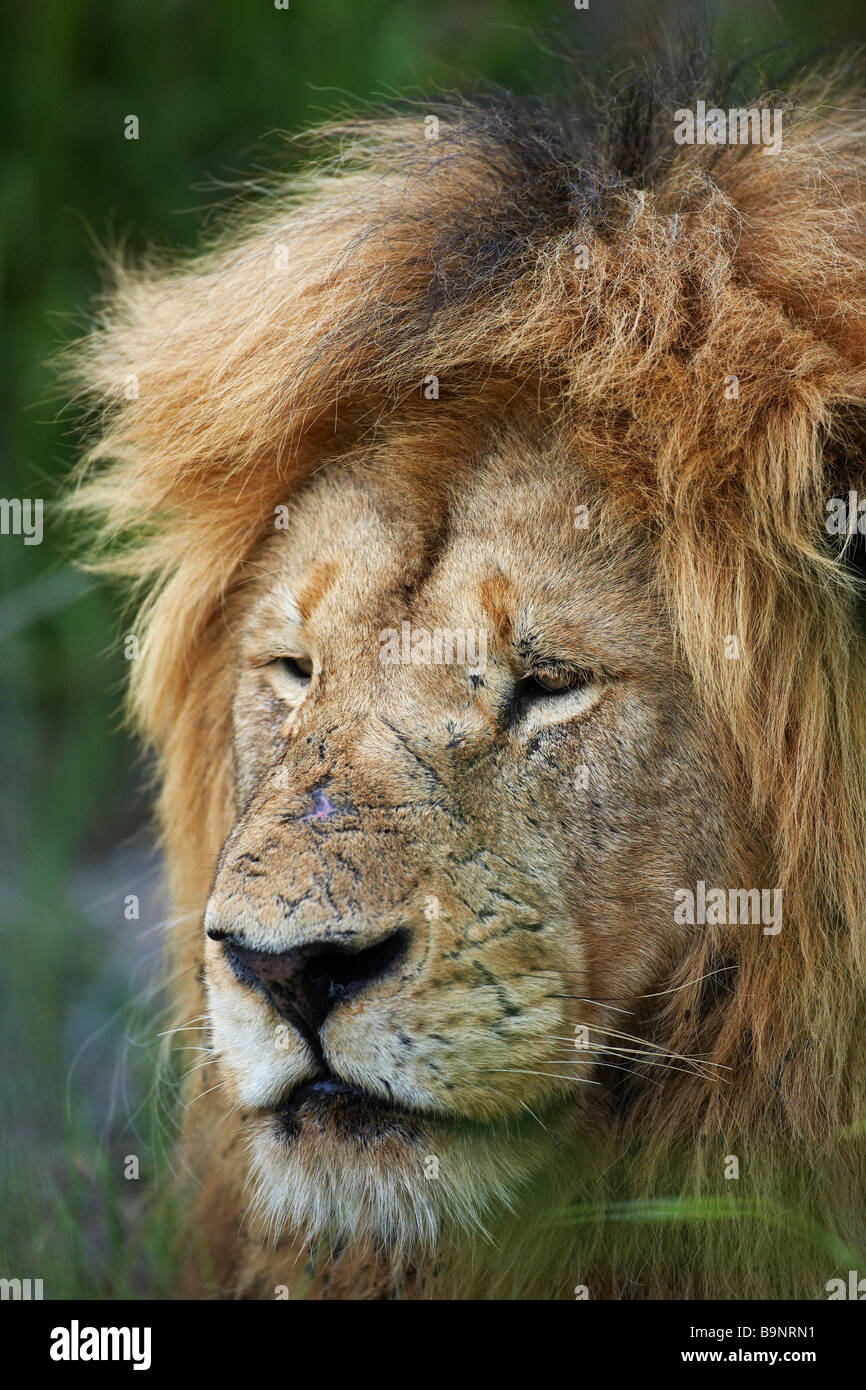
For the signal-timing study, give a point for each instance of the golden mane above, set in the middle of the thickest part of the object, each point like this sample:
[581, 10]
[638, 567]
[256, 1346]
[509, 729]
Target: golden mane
[523, 254]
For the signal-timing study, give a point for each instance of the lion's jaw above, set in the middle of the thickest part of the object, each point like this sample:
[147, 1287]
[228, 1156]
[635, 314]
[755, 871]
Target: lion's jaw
[506, 867]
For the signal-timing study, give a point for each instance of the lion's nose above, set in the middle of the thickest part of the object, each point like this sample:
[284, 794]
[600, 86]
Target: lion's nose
[307, 982]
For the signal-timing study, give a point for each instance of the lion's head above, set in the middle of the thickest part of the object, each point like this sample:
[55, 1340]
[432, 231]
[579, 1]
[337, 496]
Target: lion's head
[507, 684]
[470, 777]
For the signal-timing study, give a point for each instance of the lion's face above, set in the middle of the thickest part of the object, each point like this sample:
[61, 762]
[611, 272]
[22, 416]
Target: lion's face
[450, 874]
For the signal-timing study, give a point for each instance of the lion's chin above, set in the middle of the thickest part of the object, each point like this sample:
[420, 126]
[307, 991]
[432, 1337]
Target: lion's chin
[338, 1166]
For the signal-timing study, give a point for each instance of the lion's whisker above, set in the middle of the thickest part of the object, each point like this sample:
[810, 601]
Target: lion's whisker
[220, 1085]
[534, 1116]
[642, 1042]
[659, 994]
[591, 1046]
[525, 1071]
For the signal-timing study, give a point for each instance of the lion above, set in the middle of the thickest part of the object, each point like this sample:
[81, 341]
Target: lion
[506, 685]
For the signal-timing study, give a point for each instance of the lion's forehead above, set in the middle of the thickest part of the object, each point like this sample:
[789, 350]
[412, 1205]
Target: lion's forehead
[514, 553]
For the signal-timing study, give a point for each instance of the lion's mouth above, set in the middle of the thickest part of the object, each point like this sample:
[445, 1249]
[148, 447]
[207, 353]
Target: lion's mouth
[342, 1110]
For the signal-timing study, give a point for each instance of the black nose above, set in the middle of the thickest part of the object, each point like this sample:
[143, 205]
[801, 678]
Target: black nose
[307, 982]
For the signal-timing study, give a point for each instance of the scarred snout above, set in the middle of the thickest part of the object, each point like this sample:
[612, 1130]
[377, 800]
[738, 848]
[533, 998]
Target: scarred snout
[310, 902]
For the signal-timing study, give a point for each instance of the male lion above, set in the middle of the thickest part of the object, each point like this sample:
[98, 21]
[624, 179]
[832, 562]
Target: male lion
[507, 683]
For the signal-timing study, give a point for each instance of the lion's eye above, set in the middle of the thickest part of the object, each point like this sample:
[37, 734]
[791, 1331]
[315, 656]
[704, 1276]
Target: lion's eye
[300, 667]
[552, 682]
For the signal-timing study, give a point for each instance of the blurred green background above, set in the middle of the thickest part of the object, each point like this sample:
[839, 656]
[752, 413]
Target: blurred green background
[209, 83]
